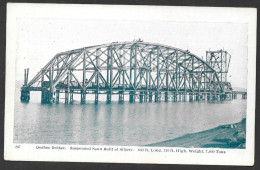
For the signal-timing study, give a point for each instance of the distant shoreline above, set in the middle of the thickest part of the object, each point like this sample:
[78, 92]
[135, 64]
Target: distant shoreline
[224, 136]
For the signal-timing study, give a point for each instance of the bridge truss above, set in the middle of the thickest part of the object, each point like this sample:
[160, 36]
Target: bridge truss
[136, 68]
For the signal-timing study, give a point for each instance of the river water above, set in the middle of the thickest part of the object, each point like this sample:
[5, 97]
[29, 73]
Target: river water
[131, 124]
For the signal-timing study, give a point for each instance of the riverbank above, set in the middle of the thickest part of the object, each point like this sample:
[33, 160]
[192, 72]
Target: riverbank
[224, 136]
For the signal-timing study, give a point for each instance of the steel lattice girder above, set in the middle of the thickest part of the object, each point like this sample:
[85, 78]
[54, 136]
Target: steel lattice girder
[129, 66]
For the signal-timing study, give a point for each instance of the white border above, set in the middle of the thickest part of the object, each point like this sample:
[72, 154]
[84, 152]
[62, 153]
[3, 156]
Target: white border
[188, 14]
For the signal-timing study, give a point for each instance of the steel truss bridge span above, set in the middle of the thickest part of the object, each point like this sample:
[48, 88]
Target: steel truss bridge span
[121, 68]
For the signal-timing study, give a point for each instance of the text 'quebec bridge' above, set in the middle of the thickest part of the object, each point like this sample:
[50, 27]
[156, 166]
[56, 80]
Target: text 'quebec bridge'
[142, 70]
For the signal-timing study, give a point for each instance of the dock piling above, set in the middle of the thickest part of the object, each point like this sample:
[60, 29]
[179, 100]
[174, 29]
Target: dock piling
[141, 97]
[82, 97]
[109, 96]
[166, 97]
[150, 96]
[121, 97]
[25, 96]
[57, 96]
[66, 97]
[96, 97]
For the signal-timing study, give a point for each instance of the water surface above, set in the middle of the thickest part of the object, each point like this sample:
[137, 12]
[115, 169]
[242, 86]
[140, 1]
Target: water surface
[118, 124]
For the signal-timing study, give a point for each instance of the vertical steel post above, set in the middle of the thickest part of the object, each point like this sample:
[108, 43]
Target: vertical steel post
[176, 72]
[42, 90]
[51, 77]
[221, 69]
[97, 76]
[158, 76]
[51, 83]
[135, 65]
[131, 67]
[150, 69]
[157, 69]
[25, 77]
[146, 82]
[108, 64]
[83, 91]
[67, 89]
[167, 73]
[184, 74]
[25, 94]
[123, 84]
[226, 66]
[109, 74]
[192, 78]
[26, 73]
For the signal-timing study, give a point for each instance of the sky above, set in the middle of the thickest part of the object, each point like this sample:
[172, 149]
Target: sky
[39, 39]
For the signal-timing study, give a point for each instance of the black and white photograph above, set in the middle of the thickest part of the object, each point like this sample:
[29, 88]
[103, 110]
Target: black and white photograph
[152, 84]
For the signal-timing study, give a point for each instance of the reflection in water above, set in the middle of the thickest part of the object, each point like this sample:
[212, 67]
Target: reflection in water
[119, 124]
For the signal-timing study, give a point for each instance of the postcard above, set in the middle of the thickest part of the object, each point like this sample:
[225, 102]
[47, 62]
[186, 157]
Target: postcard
[130, 84]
